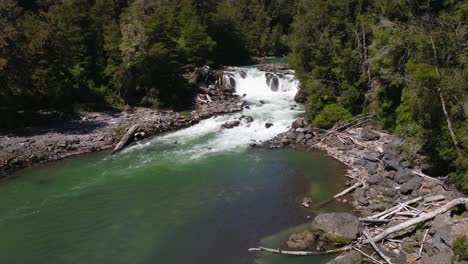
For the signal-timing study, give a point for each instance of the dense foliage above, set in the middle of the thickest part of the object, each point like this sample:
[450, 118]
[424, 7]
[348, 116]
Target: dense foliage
[403, 61]
[55, 53]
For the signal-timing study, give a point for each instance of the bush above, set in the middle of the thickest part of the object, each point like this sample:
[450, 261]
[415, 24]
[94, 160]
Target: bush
[330, 115]
[459, 247]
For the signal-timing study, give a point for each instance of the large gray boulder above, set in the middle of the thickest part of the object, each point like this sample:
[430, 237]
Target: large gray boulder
[342, 225]
[411, 185]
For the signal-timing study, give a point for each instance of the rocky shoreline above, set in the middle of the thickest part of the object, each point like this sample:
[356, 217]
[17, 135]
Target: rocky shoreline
[97, 131]
[380, 178]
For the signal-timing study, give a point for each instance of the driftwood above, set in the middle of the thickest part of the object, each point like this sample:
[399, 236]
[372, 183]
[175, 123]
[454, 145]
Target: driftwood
[126, 139]
[394, 208]
[300, 253]
[422, 243]
[356, 185]
[374, 220]
[422, 218]
[371, 241]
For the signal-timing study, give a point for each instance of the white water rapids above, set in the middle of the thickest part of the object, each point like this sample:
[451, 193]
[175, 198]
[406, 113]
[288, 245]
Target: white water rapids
[208, 137]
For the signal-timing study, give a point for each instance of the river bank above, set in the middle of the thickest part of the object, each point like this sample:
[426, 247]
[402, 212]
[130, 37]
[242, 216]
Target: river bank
[97, 131]
[381, 179]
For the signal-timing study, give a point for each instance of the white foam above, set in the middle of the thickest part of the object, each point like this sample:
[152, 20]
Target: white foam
[209, 137]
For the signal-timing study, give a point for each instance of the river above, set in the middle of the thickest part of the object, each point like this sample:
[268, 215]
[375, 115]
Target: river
[197, 195]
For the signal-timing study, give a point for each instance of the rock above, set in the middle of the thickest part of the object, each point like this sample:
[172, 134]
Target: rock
[306, 202]
[299, 138]
[300, 241]
[390, 192]
[309, 129]
[272, 81]
[243, 74]
[291, 135]
[268, 125]
[374, 157]
[369, 135]
[371, 167]
[350, 257]
[403, 176]
[391, 162]
[300, 97]
[231, 124]
[411, 185]
[299, 122]
[247, 119]
[363, 201]
[374, 179]
[378, 207]
[343, 225]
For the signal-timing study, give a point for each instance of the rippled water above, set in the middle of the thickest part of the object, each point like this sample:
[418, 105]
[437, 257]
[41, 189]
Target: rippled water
[198, 195]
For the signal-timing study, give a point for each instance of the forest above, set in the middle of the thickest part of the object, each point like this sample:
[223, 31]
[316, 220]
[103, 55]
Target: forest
[403, 62]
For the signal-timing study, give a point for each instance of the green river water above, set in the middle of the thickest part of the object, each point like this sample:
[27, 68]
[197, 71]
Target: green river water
[198, 195]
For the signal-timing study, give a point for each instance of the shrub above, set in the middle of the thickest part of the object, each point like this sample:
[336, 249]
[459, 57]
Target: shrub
[460, 247]
[330, 115]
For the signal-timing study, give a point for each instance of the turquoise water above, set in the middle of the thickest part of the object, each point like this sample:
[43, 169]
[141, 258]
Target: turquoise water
[198, 195]
[97, 209]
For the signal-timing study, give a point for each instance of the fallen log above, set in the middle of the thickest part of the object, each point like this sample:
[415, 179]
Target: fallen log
[126, 139]
[422, 218]
[356, 185]
[300, 253]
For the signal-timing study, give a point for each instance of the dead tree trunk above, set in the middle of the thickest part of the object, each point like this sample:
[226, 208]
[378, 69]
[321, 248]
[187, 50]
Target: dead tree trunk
[126, 139]
[300, 253]
[423, 218]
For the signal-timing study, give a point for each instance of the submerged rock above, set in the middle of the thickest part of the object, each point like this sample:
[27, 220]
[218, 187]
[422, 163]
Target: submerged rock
[300, 241]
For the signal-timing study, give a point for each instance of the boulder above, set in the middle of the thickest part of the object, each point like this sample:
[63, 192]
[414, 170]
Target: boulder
[300, 97]
[411, 185]
[231, 124]
[342, 225]
[272, 81]
[291, 135]
[369, 135]
[371, 167]
[374, 179]
[268, 125]
[299, 122]
[243, 74]
[248, 119]
[391, 162]
[403, 176]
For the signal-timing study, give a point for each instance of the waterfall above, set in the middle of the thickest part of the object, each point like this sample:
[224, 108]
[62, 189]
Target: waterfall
[267, 101]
